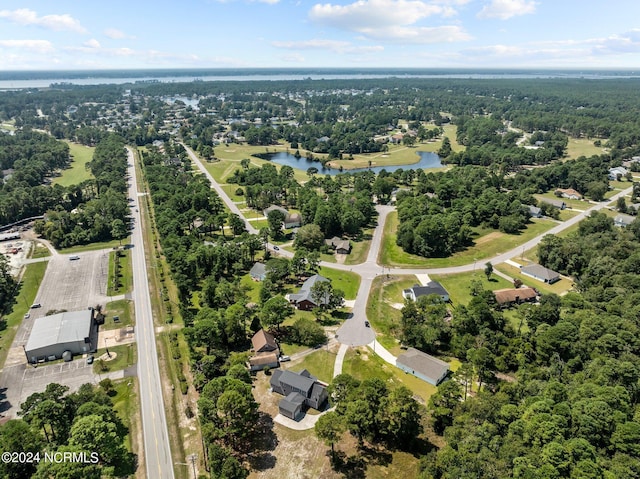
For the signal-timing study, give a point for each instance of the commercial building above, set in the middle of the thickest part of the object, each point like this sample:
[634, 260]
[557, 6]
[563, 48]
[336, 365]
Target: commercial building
[73, 332]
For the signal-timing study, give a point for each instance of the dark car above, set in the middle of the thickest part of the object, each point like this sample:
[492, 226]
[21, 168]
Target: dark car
[276, 248]
[366, 323]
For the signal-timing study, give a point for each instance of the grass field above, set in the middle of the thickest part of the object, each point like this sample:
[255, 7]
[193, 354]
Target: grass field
[77, 172]
[319, 363]
[360, 249]
[125, 357]
[583, 147]
[125, 403]
[347, 281]
[38, 250]
[125, 274]
[94, 246]
[123, 308]
[27, 291]
[396, 155]
[362, 363]
[459, 285]
[485, 246]
[384, 318]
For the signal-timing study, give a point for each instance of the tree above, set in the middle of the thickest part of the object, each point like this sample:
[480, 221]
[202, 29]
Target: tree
[442, 404]
[236, 224]
[275, 219]
[277, 270]
[93, 433]
[118, 230]
[275, 311]
[329, 428]
[445, 148]
[327, 298]
[488, 269]
[309, 237]
[17, 436]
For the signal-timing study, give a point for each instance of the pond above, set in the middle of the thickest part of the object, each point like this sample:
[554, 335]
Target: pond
[427, 160]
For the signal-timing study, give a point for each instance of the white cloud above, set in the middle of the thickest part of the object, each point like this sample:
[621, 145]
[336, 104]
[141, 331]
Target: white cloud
[24, 16]
[38, 46]
[628, 42]
[505, 9]
[293, 58]
[116, 34]
[392, 20]
[93, 43]
[335, 46]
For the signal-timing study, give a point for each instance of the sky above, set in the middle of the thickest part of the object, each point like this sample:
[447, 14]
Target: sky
[116, 34]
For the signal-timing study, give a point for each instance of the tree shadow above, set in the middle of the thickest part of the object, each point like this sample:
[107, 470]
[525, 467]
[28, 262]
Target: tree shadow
[263, 444]
[352, 467]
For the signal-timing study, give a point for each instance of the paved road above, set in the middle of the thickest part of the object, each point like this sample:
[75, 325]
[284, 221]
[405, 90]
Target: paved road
[157, 449]
[354, 331]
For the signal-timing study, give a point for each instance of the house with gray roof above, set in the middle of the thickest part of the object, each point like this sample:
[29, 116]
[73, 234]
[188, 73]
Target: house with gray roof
[291, 220]
[432, 287]
[618, 171]
[534, 211]
[302, 299]
[423, 366]
[258, 272]
[540, 273]
[52, 336]
[301, 390]
[341, 246]
[623, 220]
[557, 203]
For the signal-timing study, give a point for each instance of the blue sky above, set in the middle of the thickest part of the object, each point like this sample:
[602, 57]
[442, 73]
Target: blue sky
[94, 34]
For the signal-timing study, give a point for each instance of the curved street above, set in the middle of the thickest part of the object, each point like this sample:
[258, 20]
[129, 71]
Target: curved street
[354, 332]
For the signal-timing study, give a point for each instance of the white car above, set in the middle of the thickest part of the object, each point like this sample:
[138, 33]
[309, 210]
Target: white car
[74, 257]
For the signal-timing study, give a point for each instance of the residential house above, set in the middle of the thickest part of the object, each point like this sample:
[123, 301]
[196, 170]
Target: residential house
[623, 220]
[432, 287]
[568, 193]
[302, 299]
[300, 390]
[557, 203]
[540, 273]
[534, 211]
[423, 366]
[510, 296]
[341, 246]
[258, 272]
[291, 220]
[618, 171]
[266, 352]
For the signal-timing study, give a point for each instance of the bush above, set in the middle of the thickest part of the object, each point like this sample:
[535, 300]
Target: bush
[307, 332]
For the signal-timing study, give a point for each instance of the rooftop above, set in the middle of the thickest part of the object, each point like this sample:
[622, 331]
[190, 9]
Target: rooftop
[423, 363]
[67, 327]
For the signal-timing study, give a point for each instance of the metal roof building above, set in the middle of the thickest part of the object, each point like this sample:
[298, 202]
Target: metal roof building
[51, 336]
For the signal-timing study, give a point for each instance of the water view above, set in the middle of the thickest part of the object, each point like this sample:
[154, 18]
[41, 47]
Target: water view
[427, 160]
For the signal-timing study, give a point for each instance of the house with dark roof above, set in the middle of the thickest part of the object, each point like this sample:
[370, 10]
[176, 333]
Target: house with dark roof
[423, 366]
[258, 272]
[511, 296]
[301, 390]
[432, 287]
[266, 352]
[302, 299]
[540, 273]
[623, 220]
[341, 246]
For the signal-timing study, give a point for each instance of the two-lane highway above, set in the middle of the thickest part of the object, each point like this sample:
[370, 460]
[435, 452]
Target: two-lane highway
[157, 449]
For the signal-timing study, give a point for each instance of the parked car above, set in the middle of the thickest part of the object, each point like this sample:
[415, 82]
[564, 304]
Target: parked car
[74, 257]
[284, 359]
[27, 315]
[276, 248]
[366, 323]
[90, 359]
[36, 305]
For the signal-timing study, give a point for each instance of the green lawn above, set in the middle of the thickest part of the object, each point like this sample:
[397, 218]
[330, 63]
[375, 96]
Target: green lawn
[568, 214]
[125, 357]
[77, 172]
[582, 147]
[360, 248]
[347, 281]
[559, 287]
[39, 251]
[125, 403]
[384, 318]
[28, 289]
[319, 363]
[95, 246]
[459, 285]
[125, 274]
[230, 190]
[123, 308]
[363, 363]
[485, 246]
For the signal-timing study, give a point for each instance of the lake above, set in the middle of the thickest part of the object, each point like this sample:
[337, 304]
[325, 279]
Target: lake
[427, 160]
